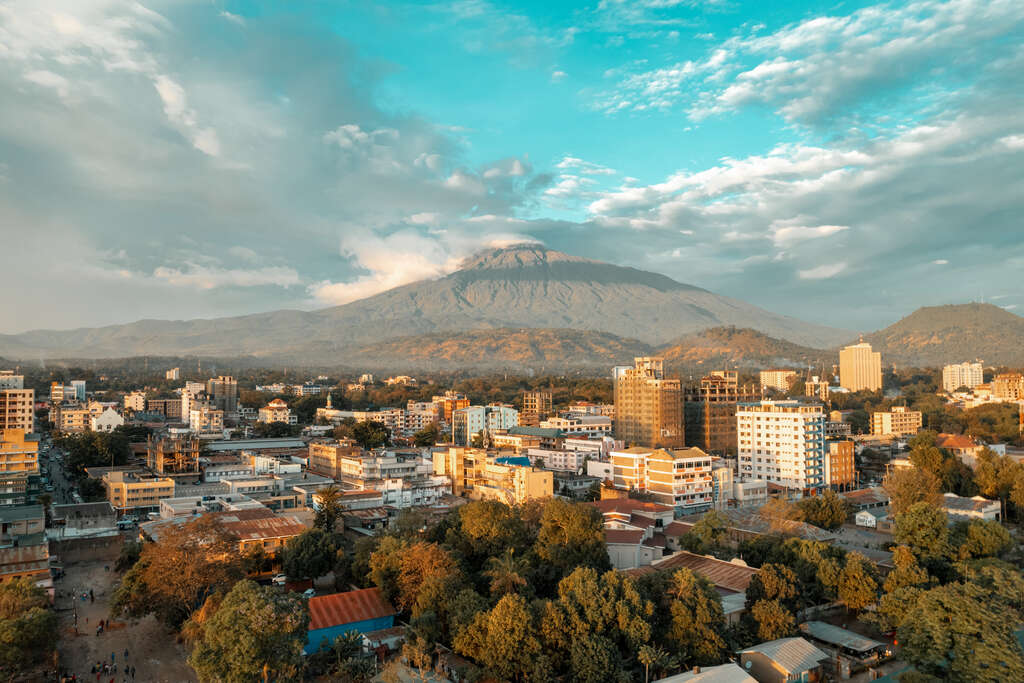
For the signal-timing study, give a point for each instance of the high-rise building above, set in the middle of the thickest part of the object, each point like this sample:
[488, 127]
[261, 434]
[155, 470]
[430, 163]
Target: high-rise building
[79, 386]
[1009, 385]
[537, 406]
[173, 374]
[450, 402]
[17, 404]
[19, 452]
[223, 391]
[959, 375]
[839, 465]
[782, 442]
[710, 411]
[860, 368]
[896, 422]
[777, 380]
[648, 407]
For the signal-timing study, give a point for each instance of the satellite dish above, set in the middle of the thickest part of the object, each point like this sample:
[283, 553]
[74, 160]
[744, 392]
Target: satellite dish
[749, 663]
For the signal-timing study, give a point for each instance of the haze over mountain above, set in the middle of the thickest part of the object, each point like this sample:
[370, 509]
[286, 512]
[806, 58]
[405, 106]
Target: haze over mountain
[514, 287]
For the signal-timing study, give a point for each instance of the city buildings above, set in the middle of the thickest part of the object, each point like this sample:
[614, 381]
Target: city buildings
[477, 475]
[136, 490]
[449, 402]
[839, 465]
[277, 411]
[481, 420]
[17, 404]
[860, 368]
[170, 408]
[174, 374]
[589, 426]
[329, 457]
[135, 401]
[19, 452]
[537, 406]
[710, 411]
[679, 478]
[173, 455]
[223, 393]
[205, 420]
[1008, 386]
[782, 442]
[107, 421]
[817, 387]
[964, 374]
[70, 418]
[899, 421]
[648, 407]
[777, 380]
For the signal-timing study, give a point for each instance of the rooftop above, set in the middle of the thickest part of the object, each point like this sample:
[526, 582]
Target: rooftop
[628, 506]
[347, 608]
[724, 673]
[254, 444]
[544, 432]
[730, 576]
[951, 501]
[623, 536]
[20, 513]
[955, 442]
[793, 655]
[834, 635]
[867, 497]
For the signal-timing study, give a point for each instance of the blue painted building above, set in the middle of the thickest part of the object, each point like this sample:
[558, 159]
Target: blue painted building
[333, 615]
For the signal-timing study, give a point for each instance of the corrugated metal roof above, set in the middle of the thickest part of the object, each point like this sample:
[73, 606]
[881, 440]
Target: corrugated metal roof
[834, 635]
[793, 655]
[628, 505]
[724, 673]
[352, 607]
[728, 575]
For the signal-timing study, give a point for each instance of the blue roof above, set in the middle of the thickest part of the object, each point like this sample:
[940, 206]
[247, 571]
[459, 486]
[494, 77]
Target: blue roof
[518, 460]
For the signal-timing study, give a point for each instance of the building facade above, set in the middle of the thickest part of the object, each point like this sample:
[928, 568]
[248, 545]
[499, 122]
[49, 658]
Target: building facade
[959, 375]
[173, 455]
[899, 421]
[135, 401]
[276, 411]
[19, 452]
[537, 406]
[710, 411]
[782, 442]
[777, 380]
[860, 368]
[1008, 386]
[680, 478]
[478, 476]
[648, 407]
[17, 406]
[840, 473]
[128, 491]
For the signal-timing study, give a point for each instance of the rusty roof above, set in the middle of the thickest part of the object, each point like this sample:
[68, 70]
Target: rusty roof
[623, 536]
[265, 527]
[955, 442]
[352, 607]
[676, 529]
[628, 506]
[726, 575]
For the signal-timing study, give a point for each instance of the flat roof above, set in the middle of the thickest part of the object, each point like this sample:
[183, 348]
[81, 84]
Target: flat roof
[254, 444]
[834, 635]
[20, 513]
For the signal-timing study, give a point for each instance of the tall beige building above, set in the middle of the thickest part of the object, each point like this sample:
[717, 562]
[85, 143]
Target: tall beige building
[709, 411]
[1009, 385]
[959, 375]
[777, 380]
[17, 405]
[648, 407]
[896, 422]
[860, 368]
[537, 406]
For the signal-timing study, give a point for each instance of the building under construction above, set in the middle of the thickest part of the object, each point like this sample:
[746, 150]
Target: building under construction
[173, 455]
[709, 410]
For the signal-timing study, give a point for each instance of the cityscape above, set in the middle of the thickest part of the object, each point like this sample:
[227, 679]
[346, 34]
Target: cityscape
[630, 340]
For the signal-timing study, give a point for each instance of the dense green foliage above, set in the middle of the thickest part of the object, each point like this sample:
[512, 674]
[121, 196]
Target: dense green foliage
[28, 628]
[309, 555]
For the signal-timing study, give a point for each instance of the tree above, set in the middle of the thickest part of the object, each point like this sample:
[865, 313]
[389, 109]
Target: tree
[773, 620]
[507, 572]
[774, 582]
[980, 538]
[572, 535]
[505, 639]
[309, 555]
[176, 574]
[424, 570]
[28, 628]
[857, 587]
[656, 658]
[427, 436]
[371, 434]
[328, 508]
[256, 634]
[911, 485]
[697, 620]
[924, 528]
[958, 632]
[779, 511]
[709, 533]
[827, 510]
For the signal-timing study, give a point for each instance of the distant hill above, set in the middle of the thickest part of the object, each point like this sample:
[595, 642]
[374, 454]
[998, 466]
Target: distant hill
[525, 286]
[936, 335]
[742, 347]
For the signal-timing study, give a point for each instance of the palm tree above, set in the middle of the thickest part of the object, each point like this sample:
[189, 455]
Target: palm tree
[506, 572]
[329, 508]
[653, 656]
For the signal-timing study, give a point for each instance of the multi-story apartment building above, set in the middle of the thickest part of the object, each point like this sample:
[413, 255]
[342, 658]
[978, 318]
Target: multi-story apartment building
[537, 406]
[899, 421]
[681, 478]
[449, 403]
[587, 408]
[817, 388]
[223, 392]
[173, 455]
[132, 491]
[648, 407]
[959, 375]
[204, 419]
[590, 426]
[17, 404]
[710, 411]
[277, 411]
[860, 368]
[191, 393]
[420, 415]
[782, 442]
[327, 457]
[170, 408]
[19, 452]
[839, 465]
[135, 401]
[777, 380]
[70, 418]
[473, 420]
[1008, 386]
[558, 459]
[174, 374]
[478, 476]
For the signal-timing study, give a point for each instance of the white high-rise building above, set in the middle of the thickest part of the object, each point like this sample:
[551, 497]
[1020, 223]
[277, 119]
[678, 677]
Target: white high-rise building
[782, 442]
[959, 375]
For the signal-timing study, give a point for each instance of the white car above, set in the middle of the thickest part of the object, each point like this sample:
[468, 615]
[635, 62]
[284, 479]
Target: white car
[279, 580]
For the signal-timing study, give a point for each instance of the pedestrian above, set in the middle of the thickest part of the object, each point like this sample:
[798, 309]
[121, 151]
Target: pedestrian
[92, 598]
[133, 672]
[112, 655]
[126, 654]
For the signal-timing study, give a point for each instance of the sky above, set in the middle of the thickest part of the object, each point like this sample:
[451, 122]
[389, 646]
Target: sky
[842, 162]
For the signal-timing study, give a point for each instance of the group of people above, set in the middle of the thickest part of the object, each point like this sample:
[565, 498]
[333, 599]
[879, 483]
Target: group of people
[102, 669]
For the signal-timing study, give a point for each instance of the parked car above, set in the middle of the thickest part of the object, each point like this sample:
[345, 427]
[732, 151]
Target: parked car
[279, 580]
[309, 593]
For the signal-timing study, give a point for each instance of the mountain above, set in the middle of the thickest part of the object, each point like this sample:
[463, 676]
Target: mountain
[525, 286]
[936, 335]
[740, 347]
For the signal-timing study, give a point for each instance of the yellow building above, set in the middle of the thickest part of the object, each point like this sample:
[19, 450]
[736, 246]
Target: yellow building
[477, 476]
[70, 418]
[449, 403]
[329, 457]
[896, 422]
[777, 380]
[19, 452]
[860, 368]
[839, 465]
[648, 407]
[537, 406]
[17, 409]
[1009, 385]
[134, 490]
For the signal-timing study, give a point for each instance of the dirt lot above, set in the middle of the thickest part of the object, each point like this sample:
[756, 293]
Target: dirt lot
[152, 649]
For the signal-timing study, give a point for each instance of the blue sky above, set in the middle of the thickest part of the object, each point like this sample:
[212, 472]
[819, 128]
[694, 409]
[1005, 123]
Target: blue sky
[844, 162]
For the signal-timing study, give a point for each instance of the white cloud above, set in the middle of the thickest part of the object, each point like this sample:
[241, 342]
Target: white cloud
[583, 167]
[203, 277]
[178, 113]
[822, 272]
[48, 79]
[940, 261]
[787, 235]
[557, 76]
[425, 218]
[233, 18]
